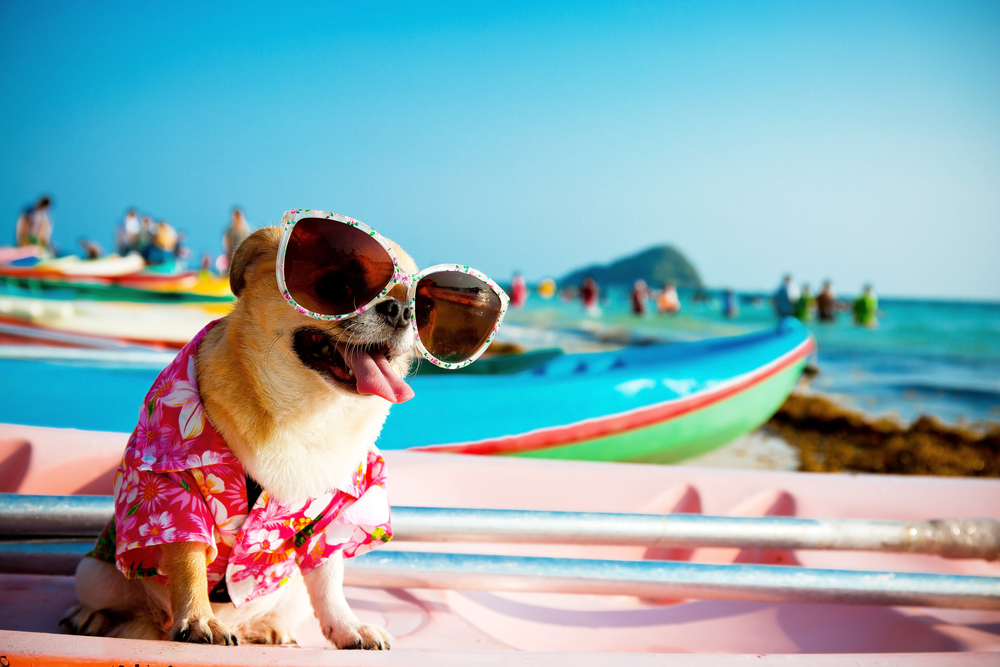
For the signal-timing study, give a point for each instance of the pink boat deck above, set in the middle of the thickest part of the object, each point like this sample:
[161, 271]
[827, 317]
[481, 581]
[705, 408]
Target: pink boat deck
[442, 627]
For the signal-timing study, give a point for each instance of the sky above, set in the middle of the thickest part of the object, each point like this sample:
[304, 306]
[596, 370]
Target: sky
[834, 140]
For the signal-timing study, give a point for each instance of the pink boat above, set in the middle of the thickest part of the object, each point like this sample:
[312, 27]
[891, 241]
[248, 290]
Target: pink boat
[447, 626]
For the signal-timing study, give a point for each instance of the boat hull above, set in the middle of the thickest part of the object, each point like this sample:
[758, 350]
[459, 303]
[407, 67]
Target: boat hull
[690, 434]
[655, 404]
[445, 627]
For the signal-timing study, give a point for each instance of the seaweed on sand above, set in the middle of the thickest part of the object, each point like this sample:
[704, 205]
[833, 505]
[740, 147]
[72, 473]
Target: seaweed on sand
[832, 438]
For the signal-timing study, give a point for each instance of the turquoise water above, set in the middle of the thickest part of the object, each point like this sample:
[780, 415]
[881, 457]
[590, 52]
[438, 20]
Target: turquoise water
[940, 358]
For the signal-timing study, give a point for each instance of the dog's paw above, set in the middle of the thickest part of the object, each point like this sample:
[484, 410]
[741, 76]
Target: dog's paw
[368, 637]
[202, 630]
[81, 620]
[269, 634]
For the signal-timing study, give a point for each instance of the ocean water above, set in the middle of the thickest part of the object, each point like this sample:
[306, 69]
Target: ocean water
[925, 357]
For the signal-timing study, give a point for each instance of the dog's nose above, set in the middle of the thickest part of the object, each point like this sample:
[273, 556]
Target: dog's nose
[396, 315]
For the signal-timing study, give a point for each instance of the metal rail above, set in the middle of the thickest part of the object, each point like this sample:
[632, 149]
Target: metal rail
[85, 516]
[953, 538]
[646, 579]
[54, 516]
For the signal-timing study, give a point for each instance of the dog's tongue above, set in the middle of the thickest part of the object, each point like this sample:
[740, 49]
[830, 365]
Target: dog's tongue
[375, 376]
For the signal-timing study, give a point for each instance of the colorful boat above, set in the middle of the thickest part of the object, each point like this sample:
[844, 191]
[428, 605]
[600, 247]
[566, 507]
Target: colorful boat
[98, 323]
[110, 278]
[106, 268]
[492, 624]
[656, 403]
[139, 287]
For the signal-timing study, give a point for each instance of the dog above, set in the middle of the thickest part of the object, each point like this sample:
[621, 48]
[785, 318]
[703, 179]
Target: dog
[280, 390]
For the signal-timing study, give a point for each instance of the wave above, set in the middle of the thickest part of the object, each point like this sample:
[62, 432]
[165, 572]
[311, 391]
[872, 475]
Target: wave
[962, 393]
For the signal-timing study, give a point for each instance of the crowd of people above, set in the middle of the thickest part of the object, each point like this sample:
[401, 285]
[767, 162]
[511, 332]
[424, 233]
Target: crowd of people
[665, 300]
[156, 241]
[788, 300]
[160, 244]
[791, 302]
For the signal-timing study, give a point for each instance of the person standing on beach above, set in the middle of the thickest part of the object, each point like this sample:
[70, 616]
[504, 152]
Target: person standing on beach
[34, 226]
[518, 291]
[164, 244]
[826, 303]
[805, 307]
[786, 298]
[590, 294]
[639, 297]
[866, 308]
[236, 234]
[127, 237]
[668, 303]
[146, 232]
[730, 304]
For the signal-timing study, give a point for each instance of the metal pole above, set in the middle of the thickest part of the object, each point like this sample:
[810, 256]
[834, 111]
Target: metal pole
[58, 557]
[647, 579]
[952, 538]
[64, 516]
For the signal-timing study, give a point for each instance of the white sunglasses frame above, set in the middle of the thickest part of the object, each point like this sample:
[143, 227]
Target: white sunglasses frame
[399, 277]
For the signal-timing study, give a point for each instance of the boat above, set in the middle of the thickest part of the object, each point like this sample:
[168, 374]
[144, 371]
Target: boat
[108, 267]
[111, 278]
[480, 619]
[141, 286]
[655, 403]
[87, 323]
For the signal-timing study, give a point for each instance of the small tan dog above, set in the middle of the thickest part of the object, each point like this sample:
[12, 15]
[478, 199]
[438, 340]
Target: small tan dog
[279, 387]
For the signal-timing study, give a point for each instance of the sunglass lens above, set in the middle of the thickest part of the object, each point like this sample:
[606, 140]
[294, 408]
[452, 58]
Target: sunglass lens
[455, 314]
[332, 268]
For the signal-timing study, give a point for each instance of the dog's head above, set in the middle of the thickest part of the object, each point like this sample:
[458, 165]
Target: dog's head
[368, 354]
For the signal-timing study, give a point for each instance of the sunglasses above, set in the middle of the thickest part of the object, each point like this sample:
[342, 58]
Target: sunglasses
[332, 267]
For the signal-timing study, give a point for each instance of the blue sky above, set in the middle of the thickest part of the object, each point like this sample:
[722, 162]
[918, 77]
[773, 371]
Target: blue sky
[852, 141]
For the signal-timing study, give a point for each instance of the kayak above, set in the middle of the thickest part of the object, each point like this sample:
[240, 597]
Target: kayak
[72, 266]
[19, 254]
[655, 403]
[112, 278]
[200, 291]
[502, 625]
[87, 323]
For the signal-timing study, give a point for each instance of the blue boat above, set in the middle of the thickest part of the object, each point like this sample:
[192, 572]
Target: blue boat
[655, 403]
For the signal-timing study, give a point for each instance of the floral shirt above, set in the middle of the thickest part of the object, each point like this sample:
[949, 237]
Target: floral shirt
[178, 482]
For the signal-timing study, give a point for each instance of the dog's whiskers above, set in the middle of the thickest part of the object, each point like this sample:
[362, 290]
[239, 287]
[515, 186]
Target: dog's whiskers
[270, 345]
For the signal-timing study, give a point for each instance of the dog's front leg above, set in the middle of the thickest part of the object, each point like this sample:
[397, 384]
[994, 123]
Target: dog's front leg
[340, 625]
[193, 620]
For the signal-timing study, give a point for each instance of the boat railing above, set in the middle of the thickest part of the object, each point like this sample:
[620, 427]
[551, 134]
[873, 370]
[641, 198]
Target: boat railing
[85, 516]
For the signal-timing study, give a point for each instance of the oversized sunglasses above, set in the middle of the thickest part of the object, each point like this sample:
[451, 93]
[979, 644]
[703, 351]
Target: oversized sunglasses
[332, 267]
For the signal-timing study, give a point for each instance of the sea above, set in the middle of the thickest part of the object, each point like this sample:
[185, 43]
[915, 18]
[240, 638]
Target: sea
[939, 358]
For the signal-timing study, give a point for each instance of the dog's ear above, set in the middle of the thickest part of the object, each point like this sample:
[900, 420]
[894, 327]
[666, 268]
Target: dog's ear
[248, 257]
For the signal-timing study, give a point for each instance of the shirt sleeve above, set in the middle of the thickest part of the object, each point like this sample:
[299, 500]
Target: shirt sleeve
[153, 509]
[353, 526]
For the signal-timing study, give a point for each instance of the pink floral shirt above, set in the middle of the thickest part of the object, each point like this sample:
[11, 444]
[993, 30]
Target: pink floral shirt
[178, 482]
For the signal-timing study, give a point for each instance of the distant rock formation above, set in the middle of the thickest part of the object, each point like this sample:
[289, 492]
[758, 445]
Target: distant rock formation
[656, 266]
